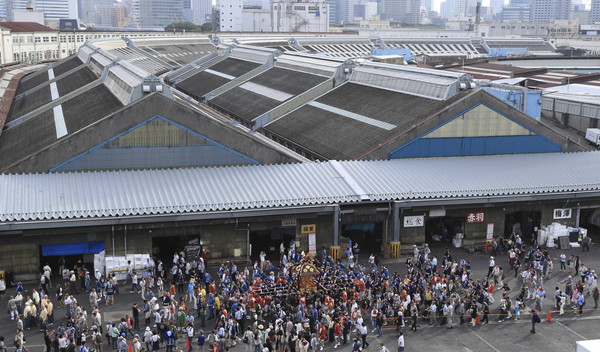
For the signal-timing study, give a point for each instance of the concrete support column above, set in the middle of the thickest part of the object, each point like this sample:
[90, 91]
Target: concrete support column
[336, 225]
[396, 222]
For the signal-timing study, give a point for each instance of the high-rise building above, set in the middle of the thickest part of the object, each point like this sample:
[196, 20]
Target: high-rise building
[595, 12]
[117, 16]
[300, 16]
[497, 5]
[53, 9]
[5, 7]
[230, 15]
[401, 10]
[517, 12]
[159, 13]
[393, 10]
[551, 10]
[101, 16]
[202, 10]
[333, 11]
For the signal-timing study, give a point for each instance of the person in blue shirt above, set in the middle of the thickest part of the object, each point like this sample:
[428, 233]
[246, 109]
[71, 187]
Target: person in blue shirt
[535, 318]
[356, 347]
[19, 287]
[201, 339]
[580, 303]
[170, 340]
[211, 306]
[207, 280]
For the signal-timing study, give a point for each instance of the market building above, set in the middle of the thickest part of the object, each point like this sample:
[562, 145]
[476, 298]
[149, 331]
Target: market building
[241, 146]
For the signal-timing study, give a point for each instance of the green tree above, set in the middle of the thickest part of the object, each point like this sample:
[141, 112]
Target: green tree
[188, 26]
[206, 27]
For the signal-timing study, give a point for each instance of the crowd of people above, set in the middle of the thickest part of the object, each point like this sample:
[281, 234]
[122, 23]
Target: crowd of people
[263, 308]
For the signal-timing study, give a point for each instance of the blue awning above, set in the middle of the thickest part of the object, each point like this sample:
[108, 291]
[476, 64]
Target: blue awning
[72, 248]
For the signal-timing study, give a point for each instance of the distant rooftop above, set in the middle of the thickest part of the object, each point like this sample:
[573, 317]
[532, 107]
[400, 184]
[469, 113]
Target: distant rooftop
[26, 27]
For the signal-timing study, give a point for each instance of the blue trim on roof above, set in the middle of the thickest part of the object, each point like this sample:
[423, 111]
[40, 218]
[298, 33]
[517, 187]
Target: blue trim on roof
[59, 166]
[421, 147]
[470, 146]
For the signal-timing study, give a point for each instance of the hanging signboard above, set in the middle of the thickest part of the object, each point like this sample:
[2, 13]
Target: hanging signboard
[475, 217]
[414, 221]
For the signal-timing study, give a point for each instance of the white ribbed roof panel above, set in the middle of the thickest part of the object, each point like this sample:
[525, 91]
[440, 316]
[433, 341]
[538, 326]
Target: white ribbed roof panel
[405, 82]
[477, 176]
[126, 76]
[124, 193]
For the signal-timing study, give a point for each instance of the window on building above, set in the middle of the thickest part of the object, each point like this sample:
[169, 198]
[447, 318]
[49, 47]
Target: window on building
[46, 39]
[63, 39]
[38, 39]
[53, 39]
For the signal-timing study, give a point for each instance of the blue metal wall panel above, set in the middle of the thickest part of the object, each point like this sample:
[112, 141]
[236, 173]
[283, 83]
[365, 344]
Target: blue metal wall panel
[515, 99]
[155, 157]
[471, 146]
[103, 157]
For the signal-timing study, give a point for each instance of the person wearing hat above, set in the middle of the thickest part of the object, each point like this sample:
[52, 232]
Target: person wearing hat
[136, 344]
[122, 343]
[148, 338]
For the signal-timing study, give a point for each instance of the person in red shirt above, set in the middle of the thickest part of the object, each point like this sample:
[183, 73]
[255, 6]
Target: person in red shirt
[322, 335]
[337, 331]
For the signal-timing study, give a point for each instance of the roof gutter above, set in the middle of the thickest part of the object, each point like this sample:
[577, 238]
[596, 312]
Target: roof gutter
[398, 205]
[136, 219]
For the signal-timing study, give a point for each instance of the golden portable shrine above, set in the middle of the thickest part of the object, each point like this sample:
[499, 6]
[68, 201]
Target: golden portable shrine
[306, 272]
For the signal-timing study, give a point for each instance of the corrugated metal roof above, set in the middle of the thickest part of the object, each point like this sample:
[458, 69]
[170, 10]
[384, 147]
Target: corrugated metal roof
[477, 176]
[124, 193]
[574, 97]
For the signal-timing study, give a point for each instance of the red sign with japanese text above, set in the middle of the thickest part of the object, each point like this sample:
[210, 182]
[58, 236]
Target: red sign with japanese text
[475, 217]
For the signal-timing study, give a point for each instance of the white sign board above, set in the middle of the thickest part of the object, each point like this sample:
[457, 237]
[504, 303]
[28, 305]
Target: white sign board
[433, 213]
[414, 221]
[288, 223]
[562, 213]
[312, 243]
[490, 232]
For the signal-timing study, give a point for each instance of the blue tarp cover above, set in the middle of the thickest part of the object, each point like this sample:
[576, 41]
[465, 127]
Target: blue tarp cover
[72, 248]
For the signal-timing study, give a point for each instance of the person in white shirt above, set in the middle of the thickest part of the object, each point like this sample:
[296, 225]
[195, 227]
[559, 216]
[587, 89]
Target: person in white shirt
[400, 342]
[2, 289]
[190, 335]
[491, 266]
[263, 258]
[563, 262]
[48, 275]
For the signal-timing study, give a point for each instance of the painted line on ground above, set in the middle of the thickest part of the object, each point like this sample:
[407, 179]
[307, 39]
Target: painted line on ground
[484, 341]
[571, 330]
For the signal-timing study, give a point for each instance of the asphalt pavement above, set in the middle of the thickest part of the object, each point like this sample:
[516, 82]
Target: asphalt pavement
[560, 334]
